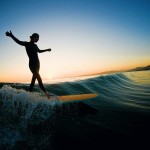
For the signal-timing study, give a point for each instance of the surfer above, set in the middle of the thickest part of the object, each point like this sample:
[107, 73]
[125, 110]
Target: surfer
[34, 63]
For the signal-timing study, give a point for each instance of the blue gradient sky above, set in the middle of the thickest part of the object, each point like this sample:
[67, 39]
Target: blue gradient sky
[86, 36]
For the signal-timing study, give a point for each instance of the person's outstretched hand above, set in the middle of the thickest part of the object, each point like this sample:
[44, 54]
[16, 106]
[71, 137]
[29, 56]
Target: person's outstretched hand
[9, 33]
[49, 50]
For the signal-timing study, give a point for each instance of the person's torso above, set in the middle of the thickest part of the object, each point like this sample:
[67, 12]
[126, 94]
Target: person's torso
[32, 52]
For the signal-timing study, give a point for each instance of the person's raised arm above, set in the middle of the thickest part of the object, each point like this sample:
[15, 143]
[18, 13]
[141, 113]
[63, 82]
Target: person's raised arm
[15, 39]
[46, 50]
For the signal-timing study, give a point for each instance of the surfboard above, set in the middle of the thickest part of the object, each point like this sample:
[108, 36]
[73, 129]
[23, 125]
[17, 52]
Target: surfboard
[79, 97]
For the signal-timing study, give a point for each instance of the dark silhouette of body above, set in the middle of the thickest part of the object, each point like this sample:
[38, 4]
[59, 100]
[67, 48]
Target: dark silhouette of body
[34, 63]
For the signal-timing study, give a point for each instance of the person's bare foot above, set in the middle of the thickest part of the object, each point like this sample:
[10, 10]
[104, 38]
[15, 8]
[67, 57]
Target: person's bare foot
[47, 95]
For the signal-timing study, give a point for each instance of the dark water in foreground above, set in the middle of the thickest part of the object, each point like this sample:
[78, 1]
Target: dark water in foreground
[118, 118]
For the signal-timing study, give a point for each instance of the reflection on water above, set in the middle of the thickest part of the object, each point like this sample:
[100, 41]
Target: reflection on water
[142, 77]
[71, 79]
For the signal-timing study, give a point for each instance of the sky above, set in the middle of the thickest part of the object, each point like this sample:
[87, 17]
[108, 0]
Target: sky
[86, 36]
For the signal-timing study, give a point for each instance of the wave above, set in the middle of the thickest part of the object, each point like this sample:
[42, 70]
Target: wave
[21, 111]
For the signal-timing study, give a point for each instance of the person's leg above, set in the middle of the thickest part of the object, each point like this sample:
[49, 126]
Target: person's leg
[41, 85]
[40, 82]
[32, 83]
[37, 76]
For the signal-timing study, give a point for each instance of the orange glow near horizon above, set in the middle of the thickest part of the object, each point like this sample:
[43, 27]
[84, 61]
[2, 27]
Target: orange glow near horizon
[26, 78]
[85, 37]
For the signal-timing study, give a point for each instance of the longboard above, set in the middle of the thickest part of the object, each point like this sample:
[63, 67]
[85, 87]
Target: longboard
[79, 97]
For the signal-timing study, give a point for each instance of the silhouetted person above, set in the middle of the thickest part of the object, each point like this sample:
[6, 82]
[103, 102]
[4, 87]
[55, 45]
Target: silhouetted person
[34, 63]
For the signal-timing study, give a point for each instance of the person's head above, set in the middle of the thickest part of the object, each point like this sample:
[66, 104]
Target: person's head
[34, 37]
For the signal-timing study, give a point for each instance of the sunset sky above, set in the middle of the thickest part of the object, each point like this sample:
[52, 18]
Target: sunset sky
[86, 36]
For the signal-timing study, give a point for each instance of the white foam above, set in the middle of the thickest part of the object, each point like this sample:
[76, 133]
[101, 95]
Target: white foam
[25, 104]
[19, 109]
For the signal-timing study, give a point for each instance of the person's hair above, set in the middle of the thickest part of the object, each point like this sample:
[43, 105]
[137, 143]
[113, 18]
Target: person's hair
[34, 35]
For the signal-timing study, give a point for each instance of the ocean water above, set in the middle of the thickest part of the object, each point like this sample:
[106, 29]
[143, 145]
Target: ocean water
[118, 118]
